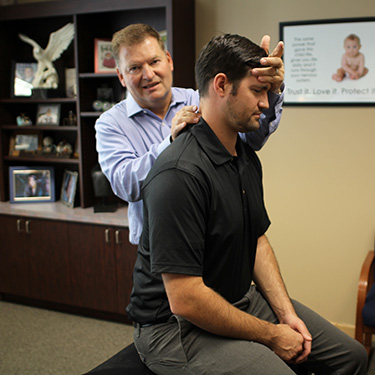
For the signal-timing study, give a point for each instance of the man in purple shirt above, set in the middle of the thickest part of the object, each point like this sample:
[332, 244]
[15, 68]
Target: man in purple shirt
[132, 134]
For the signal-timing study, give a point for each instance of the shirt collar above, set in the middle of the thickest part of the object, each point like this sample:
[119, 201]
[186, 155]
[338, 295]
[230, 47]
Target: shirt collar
[211, 145]
[132, 107]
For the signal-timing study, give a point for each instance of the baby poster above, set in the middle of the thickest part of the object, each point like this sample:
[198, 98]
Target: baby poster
[329, 62]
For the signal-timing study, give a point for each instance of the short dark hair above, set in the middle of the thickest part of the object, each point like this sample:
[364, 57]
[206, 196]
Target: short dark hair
[231, 54]
[131, 35]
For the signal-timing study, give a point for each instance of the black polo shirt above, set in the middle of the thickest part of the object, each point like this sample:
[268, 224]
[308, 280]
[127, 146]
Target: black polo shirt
[203, 215]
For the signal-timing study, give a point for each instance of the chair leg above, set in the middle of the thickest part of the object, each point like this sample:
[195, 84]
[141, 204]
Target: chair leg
[368, 342]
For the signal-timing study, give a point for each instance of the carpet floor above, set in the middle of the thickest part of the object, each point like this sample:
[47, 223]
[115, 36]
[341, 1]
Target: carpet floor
[36, 341]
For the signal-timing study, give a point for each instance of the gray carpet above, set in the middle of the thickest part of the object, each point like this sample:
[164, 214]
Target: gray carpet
[41, 342]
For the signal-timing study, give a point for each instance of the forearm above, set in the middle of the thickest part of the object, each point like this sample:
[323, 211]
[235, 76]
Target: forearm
[268, 278]
[206, 309]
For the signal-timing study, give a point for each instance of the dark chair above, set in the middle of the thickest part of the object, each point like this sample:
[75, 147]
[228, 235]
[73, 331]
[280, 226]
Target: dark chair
[125, 362]
[365, 321]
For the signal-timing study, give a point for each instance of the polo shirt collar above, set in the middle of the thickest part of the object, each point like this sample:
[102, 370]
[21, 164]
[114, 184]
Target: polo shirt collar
[211, 145]
[132, 107]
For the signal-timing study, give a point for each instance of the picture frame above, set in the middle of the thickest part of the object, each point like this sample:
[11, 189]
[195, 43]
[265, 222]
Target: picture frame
[31, 184]
[313, 57]
[48, 114]
[23, 74]
[103, 60]
[69, 187]
[25, 143]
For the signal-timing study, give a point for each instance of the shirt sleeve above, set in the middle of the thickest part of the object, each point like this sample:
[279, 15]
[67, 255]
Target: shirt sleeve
[175, 205]
[269, 122]
[121, 156]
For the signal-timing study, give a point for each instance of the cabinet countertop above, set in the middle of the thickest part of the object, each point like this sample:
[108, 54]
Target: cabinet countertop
[59, 211]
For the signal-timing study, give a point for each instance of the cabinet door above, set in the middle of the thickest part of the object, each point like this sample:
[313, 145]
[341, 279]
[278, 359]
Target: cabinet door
[14, 257]
[92, 266]
[126, 254]
[49, 260]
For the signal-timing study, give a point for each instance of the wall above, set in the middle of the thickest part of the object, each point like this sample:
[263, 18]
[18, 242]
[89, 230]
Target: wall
[318, 167]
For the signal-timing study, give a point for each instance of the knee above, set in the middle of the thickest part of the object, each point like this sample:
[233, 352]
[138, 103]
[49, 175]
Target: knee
[359, 358]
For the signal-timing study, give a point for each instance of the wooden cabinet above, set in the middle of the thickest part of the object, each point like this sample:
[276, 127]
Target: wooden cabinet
[102, 268]
[14, 256]
[91, 19]
[78, 265]
[30, 262]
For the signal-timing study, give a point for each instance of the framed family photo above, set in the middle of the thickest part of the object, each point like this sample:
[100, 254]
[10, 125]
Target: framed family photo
[23, 74]
[329, 62]
[48, 114]
[31, 184]
[104, 60]
[69, 187]
[25, 143]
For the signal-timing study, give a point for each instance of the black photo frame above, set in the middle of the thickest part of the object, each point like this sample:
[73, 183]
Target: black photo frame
[313, 53]
[22, 77]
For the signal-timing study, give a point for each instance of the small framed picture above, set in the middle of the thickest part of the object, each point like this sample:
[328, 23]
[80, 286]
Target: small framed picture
[104, 60]
[48, 114]
[69, 187]
[25, 143]
[31, 184]
[23, 75]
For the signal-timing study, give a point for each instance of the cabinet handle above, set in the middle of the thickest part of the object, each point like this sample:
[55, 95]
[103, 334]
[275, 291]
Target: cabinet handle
[19, 227]
[27, 226]
[106, 236]
[117, 237]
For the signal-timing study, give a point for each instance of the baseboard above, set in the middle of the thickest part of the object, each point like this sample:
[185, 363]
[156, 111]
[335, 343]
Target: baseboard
[347, 328]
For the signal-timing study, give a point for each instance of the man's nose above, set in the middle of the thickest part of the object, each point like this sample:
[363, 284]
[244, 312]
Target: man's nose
[147, 72]
[263, 103]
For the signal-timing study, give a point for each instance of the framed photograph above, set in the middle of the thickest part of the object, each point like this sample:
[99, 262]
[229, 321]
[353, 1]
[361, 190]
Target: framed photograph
[22, 78]
[69, 187]
[329, 62]
[48, 114]
[25, 143]
[31, 184]
[104, 60]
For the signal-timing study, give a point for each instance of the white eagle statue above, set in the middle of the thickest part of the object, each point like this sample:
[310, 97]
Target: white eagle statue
[46, 75]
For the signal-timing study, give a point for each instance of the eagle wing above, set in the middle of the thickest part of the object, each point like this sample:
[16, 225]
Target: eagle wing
[59, 41]
[26, 39]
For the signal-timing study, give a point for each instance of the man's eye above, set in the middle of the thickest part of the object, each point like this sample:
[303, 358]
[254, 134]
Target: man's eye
[133, 69]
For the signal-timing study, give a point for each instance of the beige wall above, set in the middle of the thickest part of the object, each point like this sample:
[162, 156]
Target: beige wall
[319, 167]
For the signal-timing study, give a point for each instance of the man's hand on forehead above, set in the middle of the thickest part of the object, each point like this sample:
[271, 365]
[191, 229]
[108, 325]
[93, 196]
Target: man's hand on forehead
[273, 71]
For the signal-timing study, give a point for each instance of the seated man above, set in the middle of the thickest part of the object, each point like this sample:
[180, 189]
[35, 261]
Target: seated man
[204, 242]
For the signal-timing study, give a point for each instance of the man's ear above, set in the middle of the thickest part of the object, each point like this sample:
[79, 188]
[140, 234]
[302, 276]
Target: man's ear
[170, 61]
[220, 84]
[120, 77]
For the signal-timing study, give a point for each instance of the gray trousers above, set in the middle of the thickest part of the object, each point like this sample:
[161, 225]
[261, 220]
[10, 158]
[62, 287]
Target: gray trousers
[178, 347]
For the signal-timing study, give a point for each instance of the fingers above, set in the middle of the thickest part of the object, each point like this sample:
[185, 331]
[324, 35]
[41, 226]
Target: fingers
[265, 43]
[177, 130]
[272, 73]
[278, 51]
[302, 329]
[186, 115]
[302, 357]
